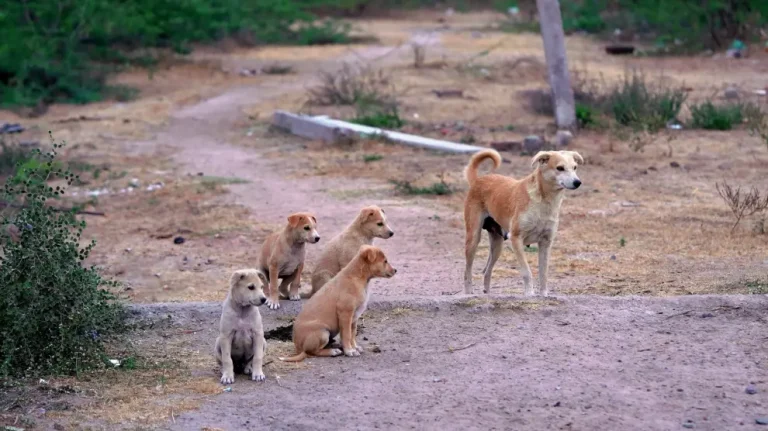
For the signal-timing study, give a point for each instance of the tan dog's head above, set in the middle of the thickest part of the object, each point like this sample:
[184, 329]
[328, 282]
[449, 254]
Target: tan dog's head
[376, 262]
[559, 168]
[373, 221]
[246, 287]
[304, 227]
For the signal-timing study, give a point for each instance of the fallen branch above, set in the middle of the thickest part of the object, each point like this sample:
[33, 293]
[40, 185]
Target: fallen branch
[684, 313]
[4, 204]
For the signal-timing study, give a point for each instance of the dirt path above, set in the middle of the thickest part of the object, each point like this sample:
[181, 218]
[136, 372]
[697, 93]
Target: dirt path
[585, 363]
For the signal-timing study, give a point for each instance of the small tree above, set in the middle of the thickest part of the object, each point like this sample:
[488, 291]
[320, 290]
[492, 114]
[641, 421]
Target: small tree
[54, 311]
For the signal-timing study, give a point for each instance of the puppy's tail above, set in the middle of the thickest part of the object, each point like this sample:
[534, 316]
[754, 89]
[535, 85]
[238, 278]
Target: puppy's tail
[297, 358]
[470, 172]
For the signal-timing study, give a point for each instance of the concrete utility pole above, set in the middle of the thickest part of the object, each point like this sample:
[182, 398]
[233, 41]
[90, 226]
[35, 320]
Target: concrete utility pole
[551, 23]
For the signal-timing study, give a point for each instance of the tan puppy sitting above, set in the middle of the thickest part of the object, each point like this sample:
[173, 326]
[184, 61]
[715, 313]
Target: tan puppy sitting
[526, 210]
[282, 257]
[370, 223]
[241, 344]
[337, 306]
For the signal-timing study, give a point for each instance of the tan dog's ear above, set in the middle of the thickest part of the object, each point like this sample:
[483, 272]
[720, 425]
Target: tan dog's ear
[236, 277]
[369, 254]
[540, 157]
[294, 219]
[576, 156]
[314, 220]
[262, 277]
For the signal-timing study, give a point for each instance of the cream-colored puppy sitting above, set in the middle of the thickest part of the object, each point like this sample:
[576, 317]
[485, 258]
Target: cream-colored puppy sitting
[337, 306]
[370, 223]
[241, 344]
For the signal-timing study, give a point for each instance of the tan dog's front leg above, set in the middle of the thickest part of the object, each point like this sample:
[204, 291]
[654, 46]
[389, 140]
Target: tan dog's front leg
[544, 247]
[346, 319]
[525, 270]
[273, 300]
[259, 348]
[354, 336]
[225, 350]
[296, 284]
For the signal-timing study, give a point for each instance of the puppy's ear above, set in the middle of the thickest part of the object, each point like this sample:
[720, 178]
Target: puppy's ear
[294, 219]
[576, 156]
[314, 220]
[236, 277]
[262, 277]
[540, 157]
[369, 254]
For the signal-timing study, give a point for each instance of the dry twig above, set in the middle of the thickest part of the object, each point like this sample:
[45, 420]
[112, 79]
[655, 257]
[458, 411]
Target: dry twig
[742, 204]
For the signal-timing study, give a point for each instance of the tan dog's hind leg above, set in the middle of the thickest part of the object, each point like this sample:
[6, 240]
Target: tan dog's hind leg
[525, 269]
[496, 244]
[316, 337]
[296, 284]
[474, 228]
[273, 299]
[319, 280]
[544, 247]
[346, 319]
[283, 289]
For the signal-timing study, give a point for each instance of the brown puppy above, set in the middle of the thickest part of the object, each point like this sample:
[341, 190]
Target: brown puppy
[337, 306]
[526, 210]
[370, 223]
[282, 256]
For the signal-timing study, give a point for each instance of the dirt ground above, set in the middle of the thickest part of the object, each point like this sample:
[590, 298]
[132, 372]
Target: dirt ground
[194, 158]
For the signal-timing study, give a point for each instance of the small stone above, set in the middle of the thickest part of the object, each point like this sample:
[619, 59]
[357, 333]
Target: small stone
[674, 164]
[688, 425]
[563, 138]
[533, 144]
[376, 349]
[365, 338]
[761, 421]
[557, 404]
[751, 390]
[707, 315]
[179, 240]
[613, 257]
[731, 93]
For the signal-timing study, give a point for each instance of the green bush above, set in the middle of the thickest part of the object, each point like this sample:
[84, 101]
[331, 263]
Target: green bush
[55, 313]
[585, 116]
[709, 116]
[64, 51]
[639, 104]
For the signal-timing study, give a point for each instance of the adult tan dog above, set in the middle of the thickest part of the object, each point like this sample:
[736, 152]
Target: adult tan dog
[283, 254]
[526, 211]
[241, 344]
[370, 223]
[337, 306]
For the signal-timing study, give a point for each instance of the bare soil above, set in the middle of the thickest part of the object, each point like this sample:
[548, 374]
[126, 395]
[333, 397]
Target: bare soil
[641, 225]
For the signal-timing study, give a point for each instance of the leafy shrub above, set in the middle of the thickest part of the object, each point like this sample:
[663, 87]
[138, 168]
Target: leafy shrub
[709, 116]
[641, 105]
[585, 116]
[54, 313]
[64, 51]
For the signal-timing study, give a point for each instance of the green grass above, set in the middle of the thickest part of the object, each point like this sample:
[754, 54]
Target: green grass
[436, 189]
[368, 158]
[380, 120]
[757, 287]
[709, 116]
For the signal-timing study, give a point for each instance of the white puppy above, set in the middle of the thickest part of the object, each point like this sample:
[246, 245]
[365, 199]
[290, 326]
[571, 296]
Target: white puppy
[241, 344]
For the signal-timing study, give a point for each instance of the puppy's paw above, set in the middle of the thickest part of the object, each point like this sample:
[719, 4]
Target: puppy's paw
[258, 377]
[359, 349]
[352, 352]
[296, 297]
[336, 352]
[227, 378]
[248, 368]
[273, 305]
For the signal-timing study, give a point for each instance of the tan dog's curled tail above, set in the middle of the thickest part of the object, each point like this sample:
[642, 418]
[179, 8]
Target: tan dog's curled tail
[297, 358]
[470, 172]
